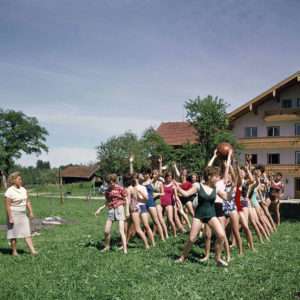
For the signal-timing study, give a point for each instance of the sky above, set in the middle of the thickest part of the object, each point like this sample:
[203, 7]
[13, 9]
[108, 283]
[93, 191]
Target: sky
[89, 70]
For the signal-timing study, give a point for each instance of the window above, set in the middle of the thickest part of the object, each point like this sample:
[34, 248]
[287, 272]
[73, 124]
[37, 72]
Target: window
[286, 103]
[253, 158]
[297, 129]
[298, 102]
[273, 131]
[250, 132]
[297, 157]
[273, 158]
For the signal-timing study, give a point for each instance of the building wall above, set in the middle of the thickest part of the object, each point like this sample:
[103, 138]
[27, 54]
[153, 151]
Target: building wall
[287, 128]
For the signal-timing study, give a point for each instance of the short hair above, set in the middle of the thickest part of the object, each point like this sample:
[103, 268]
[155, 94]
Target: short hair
[112, 178]
[261, 168]
[12, 178]
[279, 174]
[209, 172]
[168, 174]
[129, 180]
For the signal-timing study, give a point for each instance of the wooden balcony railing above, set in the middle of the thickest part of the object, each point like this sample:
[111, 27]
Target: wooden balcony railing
[286, 170]
[280, 142]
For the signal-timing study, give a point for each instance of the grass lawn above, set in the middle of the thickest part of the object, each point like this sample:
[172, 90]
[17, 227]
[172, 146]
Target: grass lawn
[70, 266]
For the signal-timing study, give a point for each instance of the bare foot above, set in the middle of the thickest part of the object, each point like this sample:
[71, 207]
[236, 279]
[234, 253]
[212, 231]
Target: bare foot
[221, 263]
[15, 254]
[180, 260]
[204, 259]
[104, 249]
[34, 253]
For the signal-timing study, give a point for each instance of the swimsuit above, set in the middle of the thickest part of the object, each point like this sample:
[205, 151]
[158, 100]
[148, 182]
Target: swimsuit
[150, 202]
[167, 198]
[206, 205]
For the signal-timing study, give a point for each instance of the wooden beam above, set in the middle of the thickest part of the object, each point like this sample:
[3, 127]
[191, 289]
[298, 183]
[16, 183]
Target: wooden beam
[250, 107]
[298, 78]
[274, 93]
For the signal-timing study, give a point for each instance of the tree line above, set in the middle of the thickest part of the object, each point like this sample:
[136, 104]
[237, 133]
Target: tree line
[21, 134]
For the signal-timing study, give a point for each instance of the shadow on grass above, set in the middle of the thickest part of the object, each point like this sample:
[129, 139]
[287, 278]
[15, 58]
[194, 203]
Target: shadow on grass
[115, 243]
[7, 251]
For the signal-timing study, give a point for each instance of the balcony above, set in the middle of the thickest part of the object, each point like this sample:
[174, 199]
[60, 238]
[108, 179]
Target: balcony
[286, 170]
[280, 142]
[282, 115]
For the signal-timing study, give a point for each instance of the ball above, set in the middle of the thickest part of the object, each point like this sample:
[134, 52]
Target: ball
[223, 149]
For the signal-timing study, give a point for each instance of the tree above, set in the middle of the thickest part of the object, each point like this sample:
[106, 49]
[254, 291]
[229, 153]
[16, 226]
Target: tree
[40, 164]
[190, 156]
[115, 152]
[19, 134]
[154, 146]
[208, 116]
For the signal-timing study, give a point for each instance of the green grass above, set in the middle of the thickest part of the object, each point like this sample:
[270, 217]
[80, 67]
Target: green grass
[75, 189]
[70, 266]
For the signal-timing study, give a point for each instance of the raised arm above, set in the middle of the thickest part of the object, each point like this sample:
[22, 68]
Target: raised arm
[176, 170]
[212, 160]
[228, 164]
[160, 164]
[131, 159]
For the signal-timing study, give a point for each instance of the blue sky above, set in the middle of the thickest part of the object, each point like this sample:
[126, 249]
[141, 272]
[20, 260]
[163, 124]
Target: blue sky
[92, 69]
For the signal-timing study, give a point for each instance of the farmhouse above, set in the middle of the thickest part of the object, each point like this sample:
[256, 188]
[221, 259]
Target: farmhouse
[268, 128]
[72, 174]
[177, 134]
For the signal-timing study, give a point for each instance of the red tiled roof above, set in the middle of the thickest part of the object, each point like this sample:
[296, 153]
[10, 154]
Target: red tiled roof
[79, 171]
[177, 133]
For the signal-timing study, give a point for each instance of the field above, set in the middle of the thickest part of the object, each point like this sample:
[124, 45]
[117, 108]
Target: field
[70, 265]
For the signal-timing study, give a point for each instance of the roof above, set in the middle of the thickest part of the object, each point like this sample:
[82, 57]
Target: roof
[267, 95]
[177, 133]
[79, 171]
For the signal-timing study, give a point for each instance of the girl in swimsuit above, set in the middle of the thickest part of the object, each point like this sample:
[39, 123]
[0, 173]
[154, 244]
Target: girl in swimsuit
[151, 203]
[277, 190]
[130, 183]
[205, 213]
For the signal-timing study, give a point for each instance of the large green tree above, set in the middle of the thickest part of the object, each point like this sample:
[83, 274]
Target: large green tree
[208, 116]
[19, 134]
[114, 153]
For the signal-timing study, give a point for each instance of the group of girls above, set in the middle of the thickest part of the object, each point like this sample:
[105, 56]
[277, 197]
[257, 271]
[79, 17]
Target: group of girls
[227, 199]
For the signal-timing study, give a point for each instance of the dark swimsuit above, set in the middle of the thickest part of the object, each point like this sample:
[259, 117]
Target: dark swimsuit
[206, 205]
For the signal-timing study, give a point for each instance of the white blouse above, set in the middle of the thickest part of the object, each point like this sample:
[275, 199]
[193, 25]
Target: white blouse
[18, 197]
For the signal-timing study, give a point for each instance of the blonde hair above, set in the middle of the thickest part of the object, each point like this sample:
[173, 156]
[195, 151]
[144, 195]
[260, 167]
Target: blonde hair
[12, 178]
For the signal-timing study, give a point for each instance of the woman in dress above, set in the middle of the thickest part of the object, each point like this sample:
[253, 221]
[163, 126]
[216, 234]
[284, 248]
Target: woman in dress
[17, 202]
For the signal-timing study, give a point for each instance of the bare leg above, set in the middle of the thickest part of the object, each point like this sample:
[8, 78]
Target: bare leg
[154, 215]
[208, 235]
[246, 229]
[137, 224]
[234, 218]
[277, 211]
[190, 208]
[145, 220]
[222, 220]
[196, 225]
[107, 234]
[162, 220]
[265, 207]
[123, 235]
[254, 224]
[177, 220]
[13, 244]
[29, 243]
[215, 224]
[169, 210]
